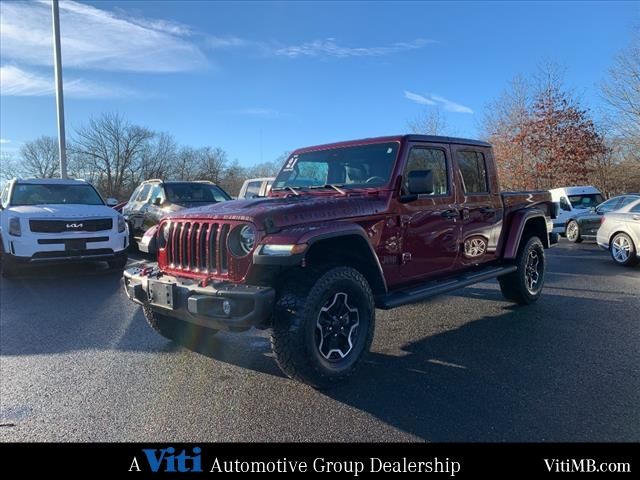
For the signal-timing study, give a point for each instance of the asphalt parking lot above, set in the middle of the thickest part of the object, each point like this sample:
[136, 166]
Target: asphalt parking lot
[78, 363]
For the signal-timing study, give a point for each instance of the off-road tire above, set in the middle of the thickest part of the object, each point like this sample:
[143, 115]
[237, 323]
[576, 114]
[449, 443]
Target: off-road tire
[297, 329]
[515, 286]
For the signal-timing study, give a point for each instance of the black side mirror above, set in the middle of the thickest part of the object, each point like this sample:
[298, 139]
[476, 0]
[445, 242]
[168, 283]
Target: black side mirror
[419, 182]
[157, 201]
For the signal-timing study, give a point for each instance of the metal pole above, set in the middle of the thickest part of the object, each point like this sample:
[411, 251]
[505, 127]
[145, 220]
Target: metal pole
[57, 64]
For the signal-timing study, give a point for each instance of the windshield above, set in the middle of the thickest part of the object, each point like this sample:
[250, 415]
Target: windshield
[194, 193]
[586, 200]
[41, 194]
[349, 167]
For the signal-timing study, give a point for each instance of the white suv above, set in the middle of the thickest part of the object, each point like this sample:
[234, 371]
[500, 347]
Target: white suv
[50, 220]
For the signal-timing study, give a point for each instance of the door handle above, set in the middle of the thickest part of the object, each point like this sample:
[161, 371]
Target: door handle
[486, 210]
[636, 217]
[449, 214]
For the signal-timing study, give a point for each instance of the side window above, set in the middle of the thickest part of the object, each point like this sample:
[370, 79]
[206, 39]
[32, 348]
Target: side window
[473, 170]
[143, 195]
[156, 191]
[635, 208]
[433, 159]
[626, 201]
[610, 205]
[253, 189]
[564, 204]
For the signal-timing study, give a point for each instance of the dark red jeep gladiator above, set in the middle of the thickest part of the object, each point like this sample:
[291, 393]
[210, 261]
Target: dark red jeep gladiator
[347, 228]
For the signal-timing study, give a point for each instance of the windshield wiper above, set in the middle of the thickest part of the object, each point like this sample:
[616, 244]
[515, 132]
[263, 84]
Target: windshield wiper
[331, 185]
[287, 187]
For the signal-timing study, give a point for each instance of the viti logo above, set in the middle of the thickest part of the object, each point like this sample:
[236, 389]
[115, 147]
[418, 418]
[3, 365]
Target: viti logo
[167, 460]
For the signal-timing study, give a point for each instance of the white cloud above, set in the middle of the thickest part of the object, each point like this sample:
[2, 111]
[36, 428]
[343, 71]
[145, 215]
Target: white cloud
[226, 42]
[330, 48]
[437, 100]
[15, 82]
[415, 97]
[96, 39]
[4, 140]
[451, 106]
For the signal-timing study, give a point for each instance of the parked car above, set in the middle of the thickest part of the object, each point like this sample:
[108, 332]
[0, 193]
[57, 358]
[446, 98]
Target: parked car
[571, 201]
[256, 187]
[584, 224]
[347, 228]
[620, 233]
[47, 220]
[153, 199]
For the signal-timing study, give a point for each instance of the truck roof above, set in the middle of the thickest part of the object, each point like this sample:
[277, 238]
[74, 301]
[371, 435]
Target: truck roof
[50, 181]
[396, 138]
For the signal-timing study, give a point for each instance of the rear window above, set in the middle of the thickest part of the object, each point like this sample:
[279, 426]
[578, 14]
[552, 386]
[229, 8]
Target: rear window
[474, 171]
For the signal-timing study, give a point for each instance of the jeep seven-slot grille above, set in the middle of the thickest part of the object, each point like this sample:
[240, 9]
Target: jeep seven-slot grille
[76, 225]
[199, 247]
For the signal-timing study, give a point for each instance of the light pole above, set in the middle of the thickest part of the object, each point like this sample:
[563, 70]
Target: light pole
[57, 65]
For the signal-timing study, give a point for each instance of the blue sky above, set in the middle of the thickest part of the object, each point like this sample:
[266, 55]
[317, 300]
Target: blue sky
[261, 78]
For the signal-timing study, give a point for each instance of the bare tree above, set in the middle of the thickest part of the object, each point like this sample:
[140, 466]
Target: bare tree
[157, 158]
[234, 177]
[621, 92]
[109, 147]
[212, 163]
[264, 169]
[40, 158]
[504, 122]
[432, 121]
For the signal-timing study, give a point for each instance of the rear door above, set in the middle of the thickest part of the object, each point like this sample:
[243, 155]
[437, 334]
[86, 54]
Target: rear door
[480, 205]
[430, 223]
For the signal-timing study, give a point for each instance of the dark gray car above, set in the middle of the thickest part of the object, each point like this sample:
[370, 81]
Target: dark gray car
[585, 225]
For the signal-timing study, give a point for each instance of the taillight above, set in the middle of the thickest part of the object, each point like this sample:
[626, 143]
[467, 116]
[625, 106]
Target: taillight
[602, 219]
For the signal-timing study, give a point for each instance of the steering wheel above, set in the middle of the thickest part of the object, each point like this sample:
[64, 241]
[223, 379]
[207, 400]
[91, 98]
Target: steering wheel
[375, 179]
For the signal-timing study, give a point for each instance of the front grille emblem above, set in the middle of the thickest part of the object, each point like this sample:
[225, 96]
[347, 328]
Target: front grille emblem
[74, 225]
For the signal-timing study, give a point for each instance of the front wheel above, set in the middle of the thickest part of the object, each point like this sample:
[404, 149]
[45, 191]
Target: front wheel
[573, 232]
[623, 251]
[323, 325]
[524, 286]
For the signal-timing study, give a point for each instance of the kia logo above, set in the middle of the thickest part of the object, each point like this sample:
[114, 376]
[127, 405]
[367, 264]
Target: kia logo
[75, 225]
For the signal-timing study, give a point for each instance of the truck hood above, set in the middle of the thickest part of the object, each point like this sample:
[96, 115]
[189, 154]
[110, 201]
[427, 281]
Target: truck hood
[280, 212]
[66, 211]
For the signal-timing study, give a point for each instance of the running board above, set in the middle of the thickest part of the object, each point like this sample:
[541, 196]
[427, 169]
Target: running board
[437, 287]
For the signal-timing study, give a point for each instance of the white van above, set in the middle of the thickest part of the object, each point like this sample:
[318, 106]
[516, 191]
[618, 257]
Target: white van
[572, 199]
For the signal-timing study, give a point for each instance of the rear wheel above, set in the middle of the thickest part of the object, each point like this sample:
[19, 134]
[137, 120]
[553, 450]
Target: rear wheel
[573, 232]
[623, 251]
[524, 286]
[323, 325]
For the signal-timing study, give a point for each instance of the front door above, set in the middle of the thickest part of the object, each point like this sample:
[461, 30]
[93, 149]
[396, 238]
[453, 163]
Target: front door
[481, 204]
[430, 222]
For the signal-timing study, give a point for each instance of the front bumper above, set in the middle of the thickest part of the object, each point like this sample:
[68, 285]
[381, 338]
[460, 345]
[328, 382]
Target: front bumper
[189, 301]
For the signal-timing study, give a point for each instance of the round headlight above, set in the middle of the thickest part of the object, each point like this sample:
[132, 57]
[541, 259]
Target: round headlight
[247, 238]
[241, 240]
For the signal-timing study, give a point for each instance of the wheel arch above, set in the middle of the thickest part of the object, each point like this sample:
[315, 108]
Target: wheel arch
[523, 225]
[349, 249]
